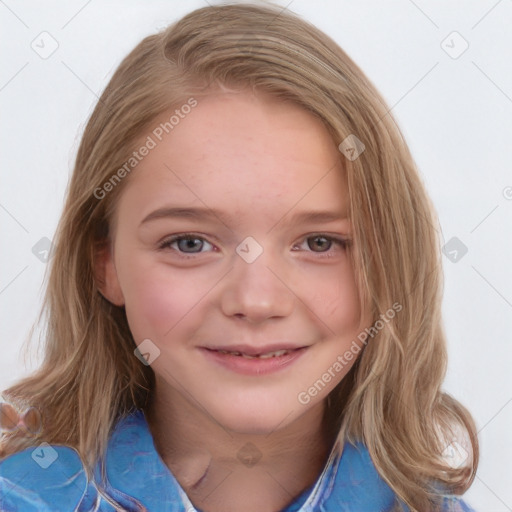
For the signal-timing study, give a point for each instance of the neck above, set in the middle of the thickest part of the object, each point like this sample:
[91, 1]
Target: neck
[223, 470]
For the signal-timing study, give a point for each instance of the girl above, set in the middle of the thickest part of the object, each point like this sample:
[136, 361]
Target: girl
[244, 303]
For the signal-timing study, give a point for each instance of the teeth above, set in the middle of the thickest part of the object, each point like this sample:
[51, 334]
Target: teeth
[277, 353]
[274, 354]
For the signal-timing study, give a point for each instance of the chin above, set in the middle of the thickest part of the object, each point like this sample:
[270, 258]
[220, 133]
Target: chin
[257, 420]
[251, 427]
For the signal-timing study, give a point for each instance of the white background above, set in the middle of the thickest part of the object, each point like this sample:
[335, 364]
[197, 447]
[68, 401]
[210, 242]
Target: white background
[456, 114]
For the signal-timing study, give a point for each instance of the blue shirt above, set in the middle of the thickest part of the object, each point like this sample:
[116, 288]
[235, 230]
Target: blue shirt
[51, 478]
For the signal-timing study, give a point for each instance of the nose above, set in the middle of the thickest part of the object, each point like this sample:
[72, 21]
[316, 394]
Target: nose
[257, 291]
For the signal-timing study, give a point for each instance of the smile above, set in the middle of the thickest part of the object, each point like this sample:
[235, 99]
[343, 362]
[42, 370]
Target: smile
[254, 364]
[277, 353]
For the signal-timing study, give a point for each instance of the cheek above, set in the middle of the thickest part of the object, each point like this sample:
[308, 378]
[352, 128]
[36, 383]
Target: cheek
[335, 299]
[157, 299]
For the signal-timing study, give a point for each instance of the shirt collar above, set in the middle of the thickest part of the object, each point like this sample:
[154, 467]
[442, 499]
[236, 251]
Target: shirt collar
[136, 474]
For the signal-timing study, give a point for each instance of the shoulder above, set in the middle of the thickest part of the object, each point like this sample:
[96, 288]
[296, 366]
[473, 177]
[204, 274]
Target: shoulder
[44, 478]
[455, 504]
[357, 485]
[52, 478]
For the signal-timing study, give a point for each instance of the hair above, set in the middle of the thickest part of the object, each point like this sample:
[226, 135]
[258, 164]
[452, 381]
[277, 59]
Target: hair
[391, 399]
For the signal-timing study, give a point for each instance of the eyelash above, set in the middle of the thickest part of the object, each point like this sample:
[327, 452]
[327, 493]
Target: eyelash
[165, 244]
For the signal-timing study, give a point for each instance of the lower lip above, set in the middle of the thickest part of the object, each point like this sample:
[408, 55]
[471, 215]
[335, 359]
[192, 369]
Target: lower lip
[256, 366]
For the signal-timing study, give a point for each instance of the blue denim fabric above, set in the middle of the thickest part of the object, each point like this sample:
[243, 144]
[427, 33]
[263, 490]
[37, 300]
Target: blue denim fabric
[52, 479]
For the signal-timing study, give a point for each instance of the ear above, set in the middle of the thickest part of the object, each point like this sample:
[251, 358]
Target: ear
[105, 274]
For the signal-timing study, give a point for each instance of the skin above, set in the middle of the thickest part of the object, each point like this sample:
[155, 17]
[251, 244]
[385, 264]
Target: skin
[259, 161]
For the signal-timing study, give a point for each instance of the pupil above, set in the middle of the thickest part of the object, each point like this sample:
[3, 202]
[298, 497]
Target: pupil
[189, 243]
[321, 242]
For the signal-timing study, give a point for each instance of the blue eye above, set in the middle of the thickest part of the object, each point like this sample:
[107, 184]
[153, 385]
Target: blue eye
[186, 244]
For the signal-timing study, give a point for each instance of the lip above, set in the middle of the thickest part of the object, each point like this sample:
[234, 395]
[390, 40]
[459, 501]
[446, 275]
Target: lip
[251, 350]
[257, 366]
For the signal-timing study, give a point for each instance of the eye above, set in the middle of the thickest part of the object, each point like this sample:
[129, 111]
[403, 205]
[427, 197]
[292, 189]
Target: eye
[186, 244]
[190, 244]
[323, 244]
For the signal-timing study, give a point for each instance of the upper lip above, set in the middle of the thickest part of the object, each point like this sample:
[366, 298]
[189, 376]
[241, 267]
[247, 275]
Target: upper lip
[251, 350]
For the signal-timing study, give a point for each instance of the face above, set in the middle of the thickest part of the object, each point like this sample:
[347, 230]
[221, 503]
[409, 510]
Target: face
[229, 254]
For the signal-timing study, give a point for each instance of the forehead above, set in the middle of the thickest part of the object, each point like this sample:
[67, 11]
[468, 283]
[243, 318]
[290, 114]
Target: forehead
[242, 152]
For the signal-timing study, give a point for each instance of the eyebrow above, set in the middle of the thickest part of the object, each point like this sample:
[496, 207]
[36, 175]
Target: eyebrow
[200, 213]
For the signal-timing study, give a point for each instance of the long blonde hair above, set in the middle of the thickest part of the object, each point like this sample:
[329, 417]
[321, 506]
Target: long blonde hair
[392, 399]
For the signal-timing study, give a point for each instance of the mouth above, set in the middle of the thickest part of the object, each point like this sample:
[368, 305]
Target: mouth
[254, 351]
[267, 355]
[254, 361]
